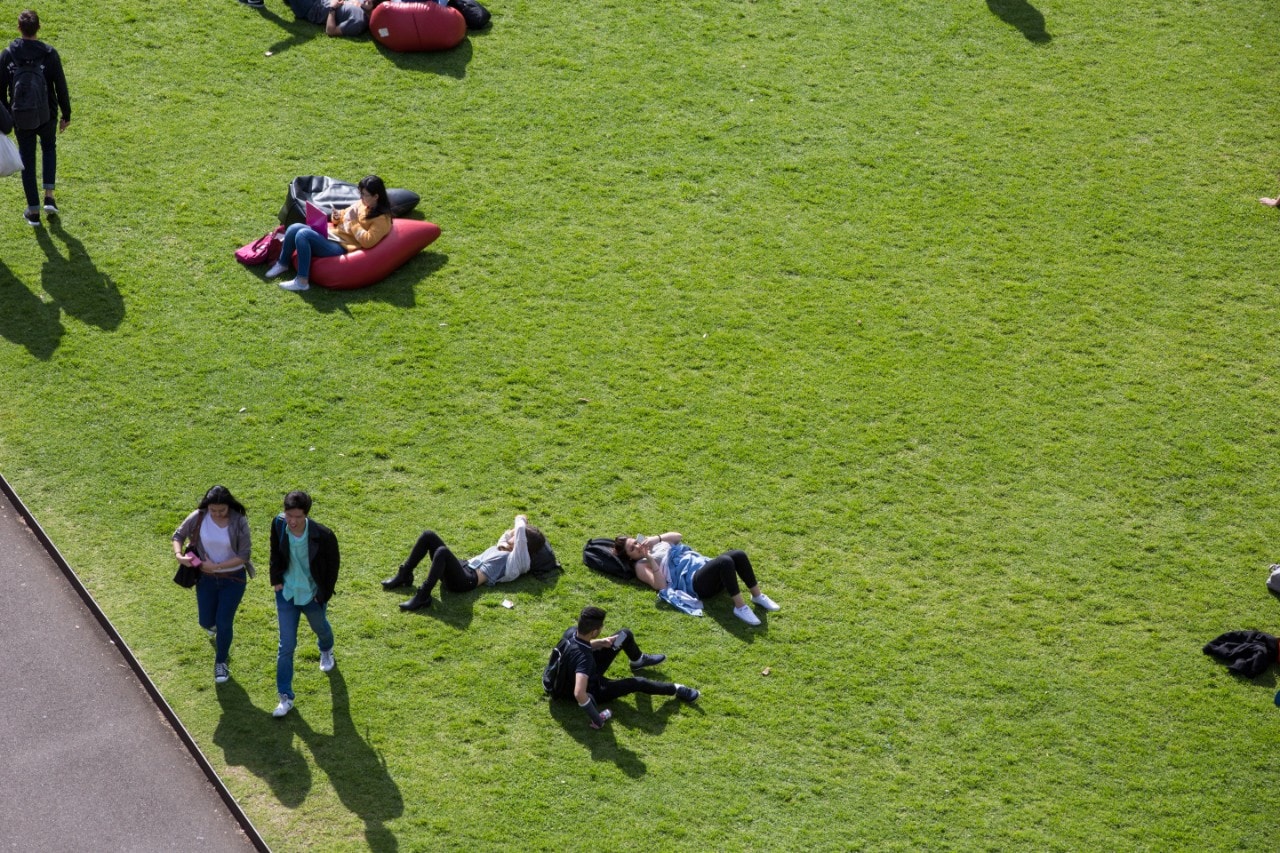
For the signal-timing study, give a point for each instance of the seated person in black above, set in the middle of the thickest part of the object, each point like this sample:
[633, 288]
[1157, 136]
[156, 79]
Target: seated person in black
[338, 17]
[588, 655]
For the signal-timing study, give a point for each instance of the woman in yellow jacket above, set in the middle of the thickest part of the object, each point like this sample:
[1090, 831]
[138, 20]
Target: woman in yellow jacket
[360, 226]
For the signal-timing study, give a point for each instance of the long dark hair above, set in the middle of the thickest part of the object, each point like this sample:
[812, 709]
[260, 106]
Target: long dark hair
[222, 495]
[373, 185]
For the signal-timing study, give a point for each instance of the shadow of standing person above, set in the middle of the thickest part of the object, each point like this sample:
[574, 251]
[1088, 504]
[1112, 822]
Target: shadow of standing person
[252, 739]
[26, 319]
[75, 283]
[357, 772]
[1024, 16]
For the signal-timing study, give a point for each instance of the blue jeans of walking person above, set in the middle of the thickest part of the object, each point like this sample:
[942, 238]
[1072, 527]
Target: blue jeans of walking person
[308, 244]
[217, 598]
[290, 615]
[47, 134]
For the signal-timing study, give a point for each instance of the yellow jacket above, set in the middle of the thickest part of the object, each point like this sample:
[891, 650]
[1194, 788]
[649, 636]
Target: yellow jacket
[360, 233]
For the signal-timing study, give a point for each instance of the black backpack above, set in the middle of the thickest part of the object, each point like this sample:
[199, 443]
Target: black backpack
[30, 89]
[476, 16]
[598, 554]
[557, 677]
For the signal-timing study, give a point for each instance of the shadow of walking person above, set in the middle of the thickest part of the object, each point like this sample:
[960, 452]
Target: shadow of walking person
[27, 319]
[75, 283]
[357, 772]
[252, 739]
[1024, 16]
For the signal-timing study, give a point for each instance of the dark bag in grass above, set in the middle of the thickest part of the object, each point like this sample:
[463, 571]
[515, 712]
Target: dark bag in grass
[544, 563]
[187, 576]
[1249, 653]
[557, 677]
[330, 194]
[476, 16]
[598, 554]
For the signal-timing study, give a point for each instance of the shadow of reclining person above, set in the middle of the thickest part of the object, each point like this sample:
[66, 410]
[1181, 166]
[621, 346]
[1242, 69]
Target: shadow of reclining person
[1024, 16]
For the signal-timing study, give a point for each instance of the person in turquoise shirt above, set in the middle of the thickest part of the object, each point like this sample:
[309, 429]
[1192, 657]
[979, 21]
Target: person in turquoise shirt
[304, 571]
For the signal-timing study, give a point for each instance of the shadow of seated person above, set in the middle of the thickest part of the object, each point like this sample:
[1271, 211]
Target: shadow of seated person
[1024, 16]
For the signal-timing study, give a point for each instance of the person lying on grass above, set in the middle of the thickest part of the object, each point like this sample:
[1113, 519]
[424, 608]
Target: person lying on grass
[500, 563]
[587, 656]
[338, 17]
[360, 226]
[665, 561]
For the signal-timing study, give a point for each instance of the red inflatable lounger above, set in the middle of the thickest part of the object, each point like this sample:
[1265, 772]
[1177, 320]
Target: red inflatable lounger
[364, 267]
[407, 27]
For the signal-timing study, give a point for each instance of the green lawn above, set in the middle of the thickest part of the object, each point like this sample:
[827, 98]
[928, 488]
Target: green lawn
[958, 323]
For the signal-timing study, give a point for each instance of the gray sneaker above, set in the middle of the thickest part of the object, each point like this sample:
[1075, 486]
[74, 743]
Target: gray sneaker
[221, 673]
[326, 661]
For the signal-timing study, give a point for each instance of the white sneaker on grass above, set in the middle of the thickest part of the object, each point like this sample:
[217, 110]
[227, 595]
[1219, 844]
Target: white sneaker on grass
[285, 706]
[277, 269]
[221, 673]
[766, 602]
[744, 613]
[326, 661]
[294, 285]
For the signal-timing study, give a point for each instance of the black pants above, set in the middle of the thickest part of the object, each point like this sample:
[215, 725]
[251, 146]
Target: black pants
[444, 565]
[607, 689]
[722, 573]
[47, 134]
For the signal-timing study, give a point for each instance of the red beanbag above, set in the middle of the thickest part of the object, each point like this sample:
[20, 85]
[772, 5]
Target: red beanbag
[406, 27]
[364, 267]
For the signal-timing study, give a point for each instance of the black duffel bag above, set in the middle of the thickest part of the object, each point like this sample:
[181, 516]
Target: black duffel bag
[476, 16]
[330, 194]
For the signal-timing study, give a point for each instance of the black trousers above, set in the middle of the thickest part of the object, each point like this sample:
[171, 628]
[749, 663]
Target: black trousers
[444, 565]
[607, 689]
[722, 573]
[47, 135]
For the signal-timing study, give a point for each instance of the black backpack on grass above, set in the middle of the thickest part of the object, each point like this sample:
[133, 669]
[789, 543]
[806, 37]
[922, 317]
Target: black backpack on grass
[598, 554]
[30, 106]
[476, 16]
[556, 677]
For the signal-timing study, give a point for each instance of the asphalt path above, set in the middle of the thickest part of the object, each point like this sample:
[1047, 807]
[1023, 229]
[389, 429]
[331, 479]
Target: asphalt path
[88, 759]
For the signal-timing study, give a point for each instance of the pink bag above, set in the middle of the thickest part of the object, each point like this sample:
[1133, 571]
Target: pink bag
[264, 250]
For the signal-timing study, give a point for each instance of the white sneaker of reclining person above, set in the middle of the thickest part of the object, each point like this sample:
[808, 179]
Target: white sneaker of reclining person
[277, 269]
[766, 602]
[294, 284]
[744, 613]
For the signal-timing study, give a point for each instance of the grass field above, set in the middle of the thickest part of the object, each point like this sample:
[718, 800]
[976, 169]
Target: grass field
[955, 315]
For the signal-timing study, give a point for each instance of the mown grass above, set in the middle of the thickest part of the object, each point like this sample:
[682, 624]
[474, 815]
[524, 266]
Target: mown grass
[963, 333]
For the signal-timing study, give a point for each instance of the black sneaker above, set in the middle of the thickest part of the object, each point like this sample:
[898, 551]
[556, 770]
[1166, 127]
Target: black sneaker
[686, 694]
[647, 660]
[32, 218]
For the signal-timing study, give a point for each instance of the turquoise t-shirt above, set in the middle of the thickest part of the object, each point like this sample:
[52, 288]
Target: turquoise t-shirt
[299, 586]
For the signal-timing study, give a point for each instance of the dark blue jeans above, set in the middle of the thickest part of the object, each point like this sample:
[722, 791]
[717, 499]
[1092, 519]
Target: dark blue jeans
[290, 615]
[307, 242]
[217, 598]
[47, 134]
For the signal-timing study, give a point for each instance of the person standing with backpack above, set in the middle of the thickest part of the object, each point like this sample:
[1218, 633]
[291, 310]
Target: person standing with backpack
[34, 89]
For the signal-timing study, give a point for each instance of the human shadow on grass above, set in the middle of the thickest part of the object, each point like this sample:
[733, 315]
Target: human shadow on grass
[397, 289]
[1022, 15]
[447, 63]
[299, 32]
[732, 624]
[251, 738]
[355, 769]
[77, 286]
[601, 743]
[28, 320]
[457, 609]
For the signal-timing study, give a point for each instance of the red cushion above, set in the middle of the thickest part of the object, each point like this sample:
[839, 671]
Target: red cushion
[417, 26]
[364, 267]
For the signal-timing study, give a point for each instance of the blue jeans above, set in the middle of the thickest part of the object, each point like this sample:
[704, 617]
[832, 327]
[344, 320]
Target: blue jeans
[290, 615]
[216, 601]
[307, 242]
[47, 134]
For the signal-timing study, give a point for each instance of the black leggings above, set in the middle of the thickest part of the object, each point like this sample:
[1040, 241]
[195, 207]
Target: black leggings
[722, 573]
[606, 689]
[444, 565]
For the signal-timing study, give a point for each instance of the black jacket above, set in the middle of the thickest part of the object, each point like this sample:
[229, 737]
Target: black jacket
[18, 49]
[323, 552]
[1249, 653]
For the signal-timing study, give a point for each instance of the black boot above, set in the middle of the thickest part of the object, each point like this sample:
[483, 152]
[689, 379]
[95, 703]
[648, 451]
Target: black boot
[421, 599]
[403, 577]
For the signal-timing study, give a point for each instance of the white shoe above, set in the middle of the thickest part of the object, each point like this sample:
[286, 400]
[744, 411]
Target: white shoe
[326, 661]
[294, 285]
[285, 706]
[744, 613]
[766, 602]
[212, 632]
[221, 673]
[277, 269]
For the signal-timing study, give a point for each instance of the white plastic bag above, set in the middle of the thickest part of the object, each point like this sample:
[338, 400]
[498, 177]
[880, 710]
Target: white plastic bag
[10, 159]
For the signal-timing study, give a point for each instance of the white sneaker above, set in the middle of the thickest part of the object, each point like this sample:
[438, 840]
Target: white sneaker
[277, 269]
[285, 706]
[766, 602]
[212, 632]
[326, 661]
[294, 285]
[744, 613]
[221, 673]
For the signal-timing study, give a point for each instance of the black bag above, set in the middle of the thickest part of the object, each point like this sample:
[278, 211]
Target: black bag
[186, 576]
[598, 554]
[476, 16]
[543, 563]
[30, 88]
[329, 195]
[556, 677]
